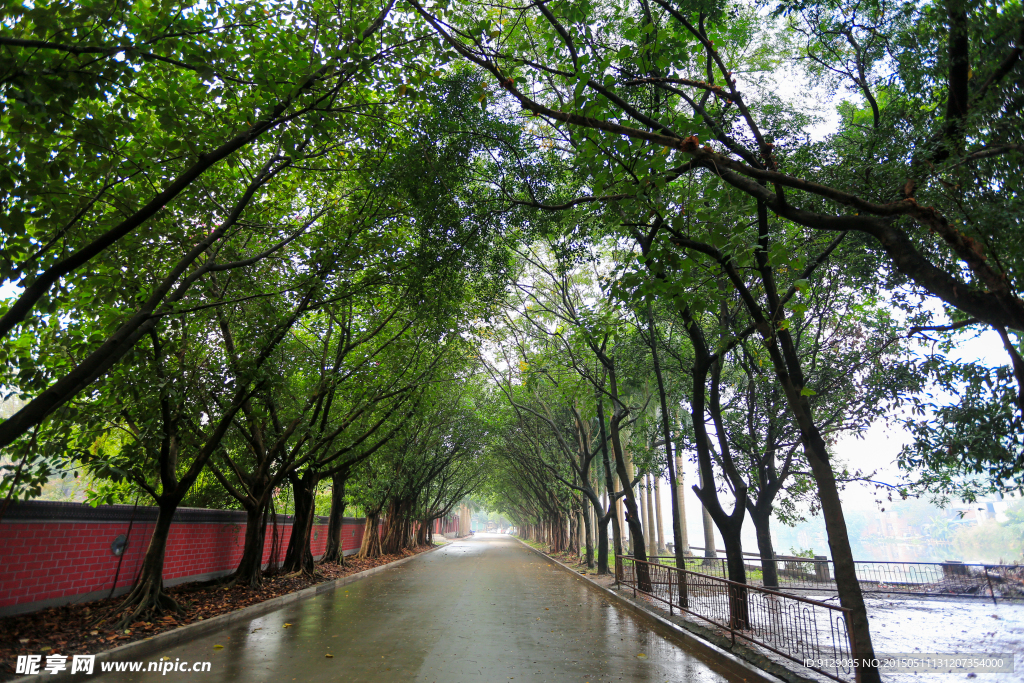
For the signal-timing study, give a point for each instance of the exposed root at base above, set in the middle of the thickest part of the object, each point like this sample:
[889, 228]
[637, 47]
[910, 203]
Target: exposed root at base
[144, 603]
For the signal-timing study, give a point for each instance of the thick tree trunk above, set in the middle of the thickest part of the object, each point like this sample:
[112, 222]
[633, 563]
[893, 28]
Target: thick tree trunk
[421, 532]
[396, 529]
[335, 552]
[370, 547]
[298, 556]
[147, 598]
[739, 616]
[250, 567]
[769, 569]
[602, 543]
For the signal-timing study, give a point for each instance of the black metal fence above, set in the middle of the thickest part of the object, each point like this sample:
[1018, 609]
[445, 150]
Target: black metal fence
[794, 627]
[952, 579]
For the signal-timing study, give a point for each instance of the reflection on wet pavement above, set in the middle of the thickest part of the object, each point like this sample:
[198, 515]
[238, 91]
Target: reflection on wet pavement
[485, 609]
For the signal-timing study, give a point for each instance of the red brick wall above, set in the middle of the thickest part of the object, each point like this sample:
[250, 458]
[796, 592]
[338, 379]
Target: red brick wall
[56, 561]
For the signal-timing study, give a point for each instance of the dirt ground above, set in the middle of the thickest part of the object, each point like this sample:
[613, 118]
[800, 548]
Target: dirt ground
[84, 628]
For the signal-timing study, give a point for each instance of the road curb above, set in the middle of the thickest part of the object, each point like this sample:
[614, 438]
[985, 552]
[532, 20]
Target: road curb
[142, 648]
[733, 661]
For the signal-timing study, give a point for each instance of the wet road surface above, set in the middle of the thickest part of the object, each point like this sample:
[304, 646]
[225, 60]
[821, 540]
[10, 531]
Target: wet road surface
[483, 609]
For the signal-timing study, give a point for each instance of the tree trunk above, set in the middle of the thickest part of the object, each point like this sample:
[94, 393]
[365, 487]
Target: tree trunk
[661, 549]
[394, 533]
[652, 536]
[630, 473]
[680, 507]
[710, 552]
[769, 569]
[611, 514]
[298, 556]
[588, 532]
[636, 532]
[250, 567]
[370, 547]
[147, 598]
[335, 552]
[592, 515]
[739, 616]
[602, 543]
[682, 546]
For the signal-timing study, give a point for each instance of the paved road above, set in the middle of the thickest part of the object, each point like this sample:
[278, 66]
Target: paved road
[482, 610]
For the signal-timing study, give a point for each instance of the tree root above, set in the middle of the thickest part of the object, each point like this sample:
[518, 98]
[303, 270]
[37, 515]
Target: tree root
[254, 581]
[144, 603]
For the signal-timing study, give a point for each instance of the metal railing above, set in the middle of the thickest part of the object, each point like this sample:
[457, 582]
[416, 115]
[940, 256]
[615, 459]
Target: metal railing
[796, 628]
[951, 579]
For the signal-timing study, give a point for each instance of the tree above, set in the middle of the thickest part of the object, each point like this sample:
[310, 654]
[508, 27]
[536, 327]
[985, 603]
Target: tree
[136, 152]
[557, 309]
[173, 407]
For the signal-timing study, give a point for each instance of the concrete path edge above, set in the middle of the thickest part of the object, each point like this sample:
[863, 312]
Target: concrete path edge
[711, 651]
[142, 648]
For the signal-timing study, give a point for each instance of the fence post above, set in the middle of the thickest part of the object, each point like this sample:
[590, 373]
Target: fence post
[953, 568]
[671, 606]
[684, 590]
[821, 572]
[990, 591]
